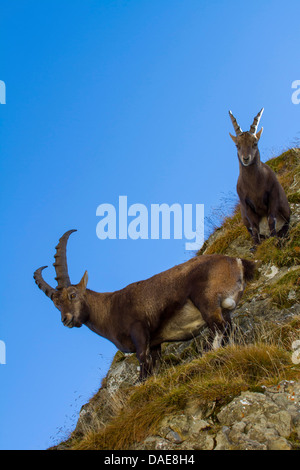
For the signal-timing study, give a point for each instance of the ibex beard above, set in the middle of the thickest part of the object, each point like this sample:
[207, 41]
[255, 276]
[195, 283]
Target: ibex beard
[171, 306]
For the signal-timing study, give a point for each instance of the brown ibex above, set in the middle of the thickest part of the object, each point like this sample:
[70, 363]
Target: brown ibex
[264, 206]
[171, 306]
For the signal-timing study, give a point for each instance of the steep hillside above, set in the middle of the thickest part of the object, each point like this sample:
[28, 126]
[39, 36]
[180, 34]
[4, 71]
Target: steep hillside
[243, 396]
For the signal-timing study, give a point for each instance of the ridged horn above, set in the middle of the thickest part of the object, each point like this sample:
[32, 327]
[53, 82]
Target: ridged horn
[237, 128]
[60, 264]
[48, 290]
[256, 120]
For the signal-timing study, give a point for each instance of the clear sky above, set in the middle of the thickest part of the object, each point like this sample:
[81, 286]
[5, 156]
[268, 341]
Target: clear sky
[107, 98]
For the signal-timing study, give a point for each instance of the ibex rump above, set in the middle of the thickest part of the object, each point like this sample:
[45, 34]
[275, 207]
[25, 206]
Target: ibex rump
[171, 306]
[264, 206]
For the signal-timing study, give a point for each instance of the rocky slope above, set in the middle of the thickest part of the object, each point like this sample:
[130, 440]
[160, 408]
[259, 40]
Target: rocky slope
[243, 396]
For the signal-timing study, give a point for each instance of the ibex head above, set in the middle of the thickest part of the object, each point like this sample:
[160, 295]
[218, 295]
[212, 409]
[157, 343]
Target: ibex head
[246, 142]
[69, 299]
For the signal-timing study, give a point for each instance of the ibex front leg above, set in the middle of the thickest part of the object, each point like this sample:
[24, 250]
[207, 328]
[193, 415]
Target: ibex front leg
[140, 337]
[253, 222]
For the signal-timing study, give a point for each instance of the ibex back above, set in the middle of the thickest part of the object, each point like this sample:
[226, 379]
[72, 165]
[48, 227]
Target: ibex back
[171, 306]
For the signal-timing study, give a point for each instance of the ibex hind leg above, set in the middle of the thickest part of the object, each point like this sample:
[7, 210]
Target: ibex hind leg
[227, 331]
[219, 326]
[283, 232]
[221, 331]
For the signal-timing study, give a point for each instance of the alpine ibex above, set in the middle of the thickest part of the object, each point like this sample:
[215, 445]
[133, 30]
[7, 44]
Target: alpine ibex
[264, 206]
[171, 306]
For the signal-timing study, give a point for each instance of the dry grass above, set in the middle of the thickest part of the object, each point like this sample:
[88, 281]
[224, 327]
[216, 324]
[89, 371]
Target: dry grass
[232, 228]
[216, 377]
[287, 168]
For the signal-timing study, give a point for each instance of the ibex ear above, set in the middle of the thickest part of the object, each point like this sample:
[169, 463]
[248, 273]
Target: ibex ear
[258, 135]
[233, 138]
[83, 283]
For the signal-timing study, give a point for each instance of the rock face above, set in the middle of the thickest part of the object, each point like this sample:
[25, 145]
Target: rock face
[256, 421]
[106, 403]
[251, 421]
[267, 419]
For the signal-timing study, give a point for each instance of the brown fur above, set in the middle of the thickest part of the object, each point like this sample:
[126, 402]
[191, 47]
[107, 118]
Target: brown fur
[264, 206]
[171, 306]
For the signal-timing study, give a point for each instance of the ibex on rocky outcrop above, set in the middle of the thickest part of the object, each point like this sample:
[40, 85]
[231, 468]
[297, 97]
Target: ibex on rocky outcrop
[171, 306]
[264, 206]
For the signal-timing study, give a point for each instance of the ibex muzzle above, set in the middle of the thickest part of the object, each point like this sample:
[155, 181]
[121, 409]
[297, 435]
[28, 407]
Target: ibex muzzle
[171, 306]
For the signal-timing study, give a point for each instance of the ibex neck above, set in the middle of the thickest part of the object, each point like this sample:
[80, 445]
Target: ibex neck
[252, 170]
[98, 306]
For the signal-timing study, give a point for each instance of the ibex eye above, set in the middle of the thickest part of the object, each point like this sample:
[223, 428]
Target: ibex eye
[72, 296]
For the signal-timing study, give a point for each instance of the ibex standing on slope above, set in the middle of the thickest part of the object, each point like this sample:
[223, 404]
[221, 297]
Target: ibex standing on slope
[171, 306]
[264, 206]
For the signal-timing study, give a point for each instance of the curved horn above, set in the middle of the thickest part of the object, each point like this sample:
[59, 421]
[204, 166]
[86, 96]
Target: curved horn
[237, 128]
[256, 120]
[48, 290]
[60, 264]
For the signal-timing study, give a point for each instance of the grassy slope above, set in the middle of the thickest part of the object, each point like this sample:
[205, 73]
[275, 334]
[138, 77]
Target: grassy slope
[220, 375]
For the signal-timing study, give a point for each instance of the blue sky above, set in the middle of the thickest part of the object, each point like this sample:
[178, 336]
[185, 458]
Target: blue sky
[103, 99]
